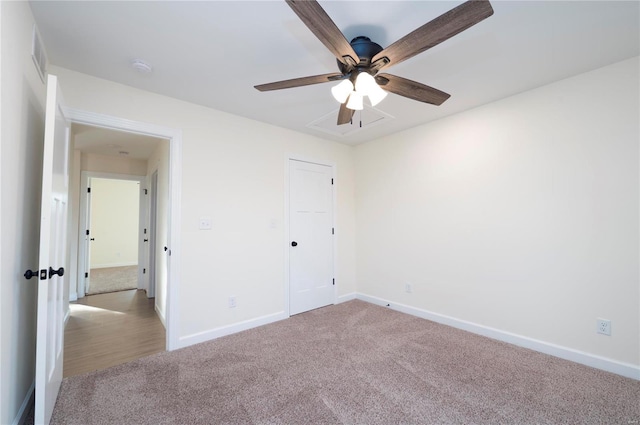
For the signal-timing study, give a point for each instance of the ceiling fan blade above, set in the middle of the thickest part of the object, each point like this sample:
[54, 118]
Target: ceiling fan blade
[345, 114]
[321, 25]
[435, 32]
[298, 82]
[411, 89]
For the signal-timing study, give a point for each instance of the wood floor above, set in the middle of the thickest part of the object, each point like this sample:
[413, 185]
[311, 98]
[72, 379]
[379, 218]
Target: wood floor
[109, 329]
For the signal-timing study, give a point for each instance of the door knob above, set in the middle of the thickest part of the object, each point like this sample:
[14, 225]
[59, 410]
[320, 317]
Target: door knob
[146, 240]
[294, 243]
[59, 272]
[29, 274]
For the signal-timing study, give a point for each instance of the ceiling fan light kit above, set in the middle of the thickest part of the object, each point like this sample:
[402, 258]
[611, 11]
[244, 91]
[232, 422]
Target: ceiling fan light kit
[355, 102]
[367, 86]
[361, 60]
[342, 90]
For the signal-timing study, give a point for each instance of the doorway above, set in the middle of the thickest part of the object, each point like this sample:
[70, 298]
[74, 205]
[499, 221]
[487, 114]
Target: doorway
[113, 233]
[311, 235]
[167, 162]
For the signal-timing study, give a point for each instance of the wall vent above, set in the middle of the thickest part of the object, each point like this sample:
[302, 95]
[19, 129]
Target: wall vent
[38, 54]
[369, 117]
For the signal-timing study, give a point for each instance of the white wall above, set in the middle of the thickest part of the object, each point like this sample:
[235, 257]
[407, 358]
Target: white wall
[521, 215]
[21, 134]
[159, 161]
[115, 216]
[233, 171]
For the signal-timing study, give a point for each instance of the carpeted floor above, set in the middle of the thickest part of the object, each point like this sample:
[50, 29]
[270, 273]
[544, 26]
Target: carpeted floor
[353, 363]
[113, 279]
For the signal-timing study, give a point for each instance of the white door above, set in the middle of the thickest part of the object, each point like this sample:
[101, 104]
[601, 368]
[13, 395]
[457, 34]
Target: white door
[52, 256]
[88, 237]
[311, 234]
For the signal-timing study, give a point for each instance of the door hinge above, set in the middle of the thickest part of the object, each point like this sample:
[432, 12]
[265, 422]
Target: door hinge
[87, 232]
[334, 281]
[145, 192]
[86, 275]
[331, 181]
[144, 271]
[88, 190]
[145, 231]
[333, 231]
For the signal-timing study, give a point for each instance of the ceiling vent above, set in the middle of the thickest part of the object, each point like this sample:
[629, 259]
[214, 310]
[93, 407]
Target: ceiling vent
[362, 120]
[38, 54]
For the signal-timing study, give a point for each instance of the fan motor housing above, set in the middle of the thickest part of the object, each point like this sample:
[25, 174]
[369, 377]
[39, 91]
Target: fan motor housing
[366, 50]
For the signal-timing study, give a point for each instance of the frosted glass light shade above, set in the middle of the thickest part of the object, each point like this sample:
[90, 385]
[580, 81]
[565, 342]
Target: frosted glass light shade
[376, 94]
[367, 86]
[342, 90]
[355, 101]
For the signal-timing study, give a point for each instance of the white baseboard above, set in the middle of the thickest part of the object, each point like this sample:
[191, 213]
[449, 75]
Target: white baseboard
[163, 320]
[197, 338]
[346, 297]
[625, 369]
[73, 296]
[21, 417]
[67, 314]
[104, 266]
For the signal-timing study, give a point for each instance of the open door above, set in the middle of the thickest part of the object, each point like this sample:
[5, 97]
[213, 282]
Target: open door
[88, 237]
[52, 256]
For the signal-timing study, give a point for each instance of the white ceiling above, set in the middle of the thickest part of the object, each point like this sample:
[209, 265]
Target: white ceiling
[213, 53]
[102, 141]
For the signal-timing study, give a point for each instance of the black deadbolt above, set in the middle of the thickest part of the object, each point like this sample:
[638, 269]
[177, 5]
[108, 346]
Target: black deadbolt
[294, 243]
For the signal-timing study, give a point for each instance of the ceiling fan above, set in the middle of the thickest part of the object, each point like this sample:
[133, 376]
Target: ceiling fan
[361, 61]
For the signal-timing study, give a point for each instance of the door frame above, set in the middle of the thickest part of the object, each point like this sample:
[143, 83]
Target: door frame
[174, 136]
[152, 226]
[86, 176]
[287, 223]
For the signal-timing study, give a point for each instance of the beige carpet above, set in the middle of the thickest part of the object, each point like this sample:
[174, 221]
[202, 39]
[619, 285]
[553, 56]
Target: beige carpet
[354, 363]
[113, 279]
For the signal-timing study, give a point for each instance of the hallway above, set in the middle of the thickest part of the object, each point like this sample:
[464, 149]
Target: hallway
[109, 329]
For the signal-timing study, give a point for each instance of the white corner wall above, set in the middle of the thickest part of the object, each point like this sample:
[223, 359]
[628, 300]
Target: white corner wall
[21, 135]
[520, 216]
[233, 171]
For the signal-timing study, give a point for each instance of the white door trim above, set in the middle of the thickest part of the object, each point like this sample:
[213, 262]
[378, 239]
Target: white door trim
[287, 240]
[84, 222]
[152, 235]
[175, 184]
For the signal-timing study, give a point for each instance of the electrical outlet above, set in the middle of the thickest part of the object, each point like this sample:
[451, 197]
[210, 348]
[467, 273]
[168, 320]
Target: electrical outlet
[205, 223]
[232, 302]
[407, 288]
[604, 326]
